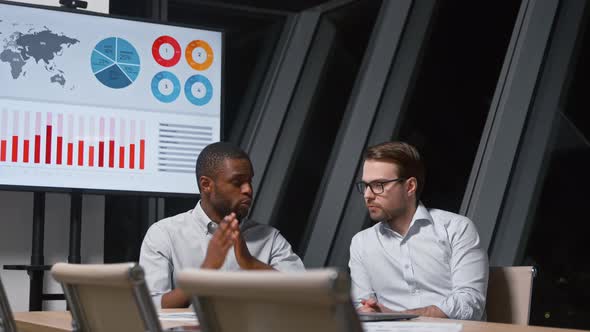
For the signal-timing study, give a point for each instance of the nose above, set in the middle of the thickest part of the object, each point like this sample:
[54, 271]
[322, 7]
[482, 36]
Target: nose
[368, 194]
[247, 189]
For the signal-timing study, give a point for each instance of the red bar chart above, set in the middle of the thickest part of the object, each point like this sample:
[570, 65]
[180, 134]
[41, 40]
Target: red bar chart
[27, 134]
[3, 135]
[60, 139]
[15, 138]
[48, 137]
[72, 140]
[37, 138]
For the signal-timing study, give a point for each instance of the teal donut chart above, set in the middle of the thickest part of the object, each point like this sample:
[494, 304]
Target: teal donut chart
[171, 92]
[206, 85]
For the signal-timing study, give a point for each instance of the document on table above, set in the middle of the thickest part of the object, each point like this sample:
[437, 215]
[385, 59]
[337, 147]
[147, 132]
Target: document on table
[397, 326]
[178, 316]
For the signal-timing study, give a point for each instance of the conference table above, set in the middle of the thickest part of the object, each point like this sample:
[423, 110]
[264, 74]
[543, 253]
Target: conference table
[60, 321]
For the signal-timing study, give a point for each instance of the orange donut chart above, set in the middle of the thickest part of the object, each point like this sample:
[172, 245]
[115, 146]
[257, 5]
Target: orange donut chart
[188, 54]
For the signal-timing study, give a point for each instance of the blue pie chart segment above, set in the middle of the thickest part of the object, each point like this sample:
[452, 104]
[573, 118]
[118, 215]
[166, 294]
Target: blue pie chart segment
[198, 90]
[113, 77]
[165, 86]
[99, 61]
[115, 63]
[126, 53]
[131, 71]
[107, 47]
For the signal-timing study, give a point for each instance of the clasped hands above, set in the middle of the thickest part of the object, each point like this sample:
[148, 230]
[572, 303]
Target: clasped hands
[227, 235]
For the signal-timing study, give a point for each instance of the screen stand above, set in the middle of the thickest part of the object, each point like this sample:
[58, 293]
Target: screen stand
[36, 270]
[75, 228]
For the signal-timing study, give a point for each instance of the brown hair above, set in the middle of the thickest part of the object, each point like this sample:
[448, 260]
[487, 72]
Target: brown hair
[405, 156]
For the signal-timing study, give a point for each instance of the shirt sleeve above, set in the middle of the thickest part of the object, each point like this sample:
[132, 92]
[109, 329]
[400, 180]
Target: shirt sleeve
[469, 274]
[155, 260]
[282, 257]
[361, 283]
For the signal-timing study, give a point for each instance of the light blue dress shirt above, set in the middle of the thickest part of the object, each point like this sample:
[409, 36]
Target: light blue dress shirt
[439, 262]
[181, 242]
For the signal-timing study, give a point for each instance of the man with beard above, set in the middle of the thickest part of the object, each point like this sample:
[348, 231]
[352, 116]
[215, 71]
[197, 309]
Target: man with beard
[215, 234]
[415, 260]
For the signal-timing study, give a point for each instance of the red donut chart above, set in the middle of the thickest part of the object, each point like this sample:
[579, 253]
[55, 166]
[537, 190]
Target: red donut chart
[163, 60]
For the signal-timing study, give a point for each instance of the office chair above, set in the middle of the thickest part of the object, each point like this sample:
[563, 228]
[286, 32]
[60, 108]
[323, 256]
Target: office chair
[7, 323]
[107, 297]
[261, 301]
[509, 294]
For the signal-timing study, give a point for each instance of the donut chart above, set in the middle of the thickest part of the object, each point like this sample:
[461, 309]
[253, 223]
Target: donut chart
[198, 90]
[115, 63]
[165, 86]
[166, 51]
[199, 55]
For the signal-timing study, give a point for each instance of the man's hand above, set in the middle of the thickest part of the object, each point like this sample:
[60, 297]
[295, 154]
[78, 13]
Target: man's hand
[243, 256]
[371, 305]
[220, 243]
[429, 311]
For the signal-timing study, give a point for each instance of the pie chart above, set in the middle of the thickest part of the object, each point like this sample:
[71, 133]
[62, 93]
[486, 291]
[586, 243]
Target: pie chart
[115, 62]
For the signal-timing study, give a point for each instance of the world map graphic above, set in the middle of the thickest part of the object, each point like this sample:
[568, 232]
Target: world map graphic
[22, 46]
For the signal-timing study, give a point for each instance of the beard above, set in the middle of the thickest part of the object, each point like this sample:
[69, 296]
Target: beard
[384, 214]
[221, 206]
[224, 207]
[241, 212]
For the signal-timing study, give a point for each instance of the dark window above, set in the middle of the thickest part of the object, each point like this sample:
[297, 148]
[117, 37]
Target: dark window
[352, 27]
[453, 93]
[559, 233]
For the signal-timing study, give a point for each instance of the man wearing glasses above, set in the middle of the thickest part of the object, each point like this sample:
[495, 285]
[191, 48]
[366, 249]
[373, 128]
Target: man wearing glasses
[415, 260]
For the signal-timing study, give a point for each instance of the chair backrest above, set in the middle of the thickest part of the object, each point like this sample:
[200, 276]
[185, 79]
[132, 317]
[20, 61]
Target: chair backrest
[262, 301]
[7, 323]
[509, 294]
[108, 297]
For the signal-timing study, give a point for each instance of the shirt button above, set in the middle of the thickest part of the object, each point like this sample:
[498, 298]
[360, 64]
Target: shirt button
[407, 266]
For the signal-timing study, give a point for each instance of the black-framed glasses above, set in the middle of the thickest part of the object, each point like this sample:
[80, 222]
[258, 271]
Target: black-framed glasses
[377, 187]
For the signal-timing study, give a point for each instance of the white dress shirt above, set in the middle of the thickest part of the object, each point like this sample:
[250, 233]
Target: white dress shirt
[439, 262]
[181, 241]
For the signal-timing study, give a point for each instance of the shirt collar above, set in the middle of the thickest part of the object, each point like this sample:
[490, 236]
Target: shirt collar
[200, 217]
[420, 216]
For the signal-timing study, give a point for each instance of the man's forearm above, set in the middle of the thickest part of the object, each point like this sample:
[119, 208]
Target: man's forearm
[175, 299]
[429, 311]
[255, 264]
[464, 305]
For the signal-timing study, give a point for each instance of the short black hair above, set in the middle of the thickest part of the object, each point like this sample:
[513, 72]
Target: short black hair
[213, 155]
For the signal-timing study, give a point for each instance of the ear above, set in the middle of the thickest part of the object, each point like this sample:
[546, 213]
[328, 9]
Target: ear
[412, 186]
[206, 184]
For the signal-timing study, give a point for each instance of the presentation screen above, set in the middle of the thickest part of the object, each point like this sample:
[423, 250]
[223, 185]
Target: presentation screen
[102, 103]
